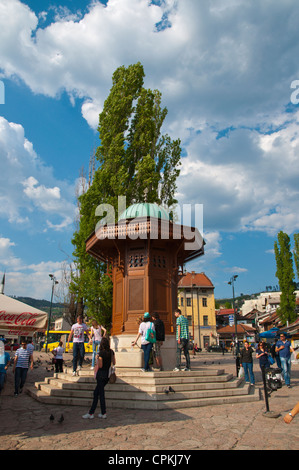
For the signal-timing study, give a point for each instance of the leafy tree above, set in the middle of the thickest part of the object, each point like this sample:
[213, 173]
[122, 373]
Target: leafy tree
[285, 275]
[134, 160]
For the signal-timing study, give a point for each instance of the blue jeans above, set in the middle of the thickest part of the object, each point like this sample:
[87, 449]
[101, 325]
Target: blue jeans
[146, 351]
[78, 350]
[20, 378]
[95, 348]
[286, 369]
[248, 368]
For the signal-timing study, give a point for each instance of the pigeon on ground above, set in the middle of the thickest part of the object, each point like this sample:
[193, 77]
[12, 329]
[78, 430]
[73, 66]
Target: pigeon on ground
[51, 418]
[166, 391]
[171, 389]
[61, 419]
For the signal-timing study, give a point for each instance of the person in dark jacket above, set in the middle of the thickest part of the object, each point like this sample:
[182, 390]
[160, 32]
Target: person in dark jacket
[247, 362]
[105, 359]
[160, 338]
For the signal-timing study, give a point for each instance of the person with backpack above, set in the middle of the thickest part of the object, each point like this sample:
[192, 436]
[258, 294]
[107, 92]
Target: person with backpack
[160, 338]
[146, 342]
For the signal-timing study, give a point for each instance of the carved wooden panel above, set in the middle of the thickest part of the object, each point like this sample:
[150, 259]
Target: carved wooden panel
[136, 294]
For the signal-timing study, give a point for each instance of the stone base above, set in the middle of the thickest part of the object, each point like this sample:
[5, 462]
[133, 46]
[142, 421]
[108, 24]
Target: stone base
[128, 356]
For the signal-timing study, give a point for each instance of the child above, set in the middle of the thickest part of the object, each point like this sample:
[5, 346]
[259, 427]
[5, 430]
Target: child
[58, 354]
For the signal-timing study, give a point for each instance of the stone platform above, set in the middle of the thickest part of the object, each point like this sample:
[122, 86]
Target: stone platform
[135, 389]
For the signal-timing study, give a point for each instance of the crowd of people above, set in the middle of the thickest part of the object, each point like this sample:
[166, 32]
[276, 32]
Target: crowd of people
[152, 333]
[280, 352]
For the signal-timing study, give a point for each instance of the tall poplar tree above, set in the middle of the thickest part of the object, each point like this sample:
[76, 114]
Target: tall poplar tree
[285, 275]
[134, 160]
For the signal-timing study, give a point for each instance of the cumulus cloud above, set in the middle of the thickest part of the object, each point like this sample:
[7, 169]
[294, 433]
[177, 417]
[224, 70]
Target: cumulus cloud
[32, 280]
[32, 187]
[246, 179]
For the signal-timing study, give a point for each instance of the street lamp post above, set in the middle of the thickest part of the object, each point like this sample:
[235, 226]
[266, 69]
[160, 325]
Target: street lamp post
[232, 282]
[50, 313]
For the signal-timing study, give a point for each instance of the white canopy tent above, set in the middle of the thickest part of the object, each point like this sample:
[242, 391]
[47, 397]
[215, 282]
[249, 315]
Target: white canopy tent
[20, 319]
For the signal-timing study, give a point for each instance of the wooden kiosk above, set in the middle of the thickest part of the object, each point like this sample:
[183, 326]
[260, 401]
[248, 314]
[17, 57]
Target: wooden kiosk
[144, 253]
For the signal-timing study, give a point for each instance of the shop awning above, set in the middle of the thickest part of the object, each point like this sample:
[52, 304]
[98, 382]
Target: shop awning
[19, 318]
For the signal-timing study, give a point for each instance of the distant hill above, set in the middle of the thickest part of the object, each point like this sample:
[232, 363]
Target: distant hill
[37, 303]
[44, 305]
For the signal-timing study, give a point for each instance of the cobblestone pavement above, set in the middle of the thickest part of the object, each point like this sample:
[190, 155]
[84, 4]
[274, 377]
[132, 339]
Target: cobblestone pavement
[25, 424]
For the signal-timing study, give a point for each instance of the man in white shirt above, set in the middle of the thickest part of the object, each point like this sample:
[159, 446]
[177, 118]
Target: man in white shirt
[77, 331]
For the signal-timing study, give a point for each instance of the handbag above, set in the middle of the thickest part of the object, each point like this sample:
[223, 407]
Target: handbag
[111, 373]
[150, 335]
[271, 360]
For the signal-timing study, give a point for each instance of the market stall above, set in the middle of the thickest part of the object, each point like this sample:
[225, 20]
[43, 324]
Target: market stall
[20, 319]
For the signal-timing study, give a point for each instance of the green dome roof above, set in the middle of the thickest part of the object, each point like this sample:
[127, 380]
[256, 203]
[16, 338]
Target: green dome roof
[145, 209]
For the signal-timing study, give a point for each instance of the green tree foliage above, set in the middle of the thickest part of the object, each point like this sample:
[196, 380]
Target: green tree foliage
[296, 252]
[134, 160]
[285, 275]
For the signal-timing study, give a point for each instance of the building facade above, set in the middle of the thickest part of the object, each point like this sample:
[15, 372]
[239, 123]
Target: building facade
[196, 302]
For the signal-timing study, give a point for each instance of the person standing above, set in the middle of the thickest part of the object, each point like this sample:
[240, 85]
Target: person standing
[77, 331]
[4, 363]
[275, 355]
[58, 355]
[21, 366]
[247, 362]
[96, 334]
[160, 338]
[106, 358]
[30, 346]
[146, 346]
[262, 355]
[284, 349]
[182, 337]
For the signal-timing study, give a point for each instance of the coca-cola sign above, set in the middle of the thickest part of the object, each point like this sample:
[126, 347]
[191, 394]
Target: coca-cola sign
[24, 320]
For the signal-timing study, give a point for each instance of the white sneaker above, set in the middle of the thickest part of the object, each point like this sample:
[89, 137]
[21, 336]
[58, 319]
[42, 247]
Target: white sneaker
[79, 368]
[176, 369]
[74, 373]
[88, 416]
[92, 368]
[102, 416]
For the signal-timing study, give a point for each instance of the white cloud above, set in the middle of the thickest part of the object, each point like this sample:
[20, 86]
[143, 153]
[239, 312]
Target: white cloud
[246, 180]
[212, 62]
[32, 188]
[32, 280]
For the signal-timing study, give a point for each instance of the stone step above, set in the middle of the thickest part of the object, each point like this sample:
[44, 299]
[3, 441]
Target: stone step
[149, 375]
[116, 392]
[146, 390]
[254, 395]
[122, 386]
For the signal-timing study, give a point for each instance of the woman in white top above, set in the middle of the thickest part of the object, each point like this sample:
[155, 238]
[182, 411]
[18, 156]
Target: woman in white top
[58, 357]
[96, 338]
[146, 346]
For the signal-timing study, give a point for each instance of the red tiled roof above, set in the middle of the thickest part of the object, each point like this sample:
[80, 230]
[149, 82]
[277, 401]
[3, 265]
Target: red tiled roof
[241, 328]
[195, 279]
[225, 311]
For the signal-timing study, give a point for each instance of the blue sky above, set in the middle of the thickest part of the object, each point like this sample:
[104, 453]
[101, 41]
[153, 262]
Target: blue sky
[225, 71]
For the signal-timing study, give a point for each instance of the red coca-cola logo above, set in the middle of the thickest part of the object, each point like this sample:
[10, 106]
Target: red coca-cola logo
[23, 319]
